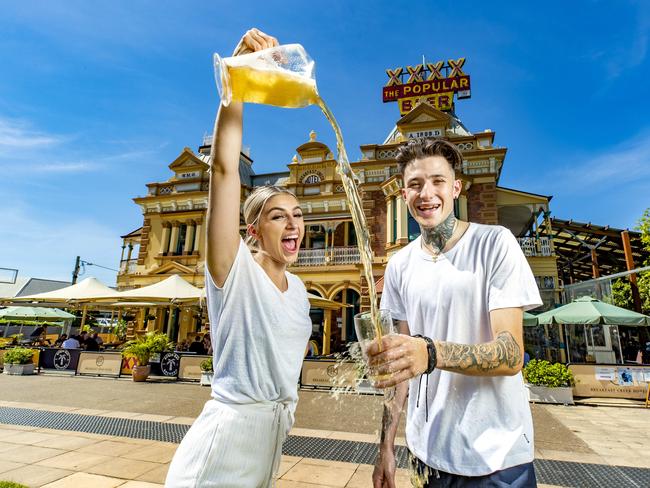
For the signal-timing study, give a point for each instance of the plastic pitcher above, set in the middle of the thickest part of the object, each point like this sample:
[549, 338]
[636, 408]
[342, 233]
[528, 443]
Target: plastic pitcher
[283, 76]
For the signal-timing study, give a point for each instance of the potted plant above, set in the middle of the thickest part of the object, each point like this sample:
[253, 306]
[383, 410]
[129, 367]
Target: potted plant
[548, 383]
[139, 350]
[207, 372]
[19, 360]
[142, 348]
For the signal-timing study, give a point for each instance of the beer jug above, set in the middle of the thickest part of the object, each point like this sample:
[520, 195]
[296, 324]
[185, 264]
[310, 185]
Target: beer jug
[283, 76]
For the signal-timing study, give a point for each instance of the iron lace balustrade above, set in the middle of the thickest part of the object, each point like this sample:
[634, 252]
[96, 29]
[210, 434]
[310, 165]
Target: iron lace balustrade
[330, 256]
[535, 246]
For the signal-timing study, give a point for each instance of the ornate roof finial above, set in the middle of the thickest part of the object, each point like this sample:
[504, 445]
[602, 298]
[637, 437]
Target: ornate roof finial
[312, 135]
[294, 159]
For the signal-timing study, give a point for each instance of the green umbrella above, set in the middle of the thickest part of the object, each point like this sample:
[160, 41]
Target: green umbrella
[530, 320]
[588, 310]
[34, 313]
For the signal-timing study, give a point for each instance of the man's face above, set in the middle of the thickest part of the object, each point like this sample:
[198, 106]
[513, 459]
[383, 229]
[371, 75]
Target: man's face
[429, 190]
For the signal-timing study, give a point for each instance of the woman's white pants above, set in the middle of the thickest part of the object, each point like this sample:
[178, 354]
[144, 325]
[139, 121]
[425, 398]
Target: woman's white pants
[231, 446]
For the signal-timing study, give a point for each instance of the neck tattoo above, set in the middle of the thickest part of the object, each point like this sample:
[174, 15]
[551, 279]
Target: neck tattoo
[435, 238]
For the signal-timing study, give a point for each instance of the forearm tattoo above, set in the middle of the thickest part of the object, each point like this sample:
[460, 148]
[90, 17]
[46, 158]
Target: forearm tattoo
[386, 422]
[502, 351]
[436, 238]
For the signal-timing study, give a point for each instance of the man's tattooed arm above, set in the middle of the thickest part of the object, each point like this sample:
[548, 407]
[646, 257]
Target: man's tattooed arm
[392, 413]
[502, 356]
[437, 237]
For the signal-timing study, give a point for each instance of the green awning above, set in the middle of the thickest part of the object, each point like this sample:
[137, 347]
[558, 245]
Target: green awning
[588, 310]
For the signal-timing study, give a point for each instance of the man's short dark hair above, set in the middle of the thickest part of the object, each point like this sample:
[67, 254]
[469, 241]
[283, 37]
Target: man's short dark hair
[425, 147]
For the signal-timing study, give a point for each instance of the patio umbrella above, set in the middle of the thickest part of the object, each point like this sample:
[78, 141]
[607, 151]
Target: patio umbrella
[34, 313]
[588, 310]
[530, 320]
[84, 291]
[173, 288]
[20, 314]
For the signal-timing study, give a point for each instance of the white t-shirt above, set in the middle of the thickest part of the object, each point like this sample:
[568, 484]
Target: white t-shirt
[259, 334]
[477, 424]
[70, 343]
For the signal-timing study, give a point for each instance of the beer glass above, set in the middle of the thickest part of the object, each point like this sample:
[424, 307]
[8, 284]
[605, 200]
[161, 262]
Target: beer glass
[367, 332]
[283, 76]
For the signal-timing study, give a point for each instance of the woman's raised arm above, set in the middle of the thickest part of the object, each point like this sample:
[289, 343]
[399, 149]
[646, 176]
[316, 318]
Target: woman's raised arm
[225, 186]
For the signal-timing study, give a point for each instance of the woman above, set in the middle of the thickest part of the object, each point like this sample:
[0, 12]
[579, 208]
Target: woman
[259, 318]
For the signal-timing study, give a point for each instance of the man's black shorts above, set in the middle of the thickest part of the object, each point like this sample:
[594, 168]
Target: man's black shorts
[522, 476]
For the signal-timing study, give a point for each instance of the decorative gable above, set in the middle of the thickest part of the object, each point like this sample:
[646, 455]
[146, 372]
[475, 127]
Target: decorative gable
[188, 165]
[173, 267]
[424, 121]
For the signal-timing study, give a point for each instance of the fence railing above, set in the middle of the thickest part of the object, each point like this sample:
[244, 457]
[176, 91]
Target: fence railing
[128, 266]
[535, 246]
[333, 255]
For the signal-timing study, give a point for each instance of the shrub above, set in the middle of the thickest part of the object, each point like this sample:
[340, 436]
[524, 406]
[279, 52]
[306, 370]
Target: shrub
[542, 373]
[19, 355]
[206, 365]
[11, 484]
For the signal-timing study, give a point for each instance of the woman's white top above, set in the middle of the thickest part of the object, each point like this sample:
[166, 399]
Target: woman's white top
[259, 334]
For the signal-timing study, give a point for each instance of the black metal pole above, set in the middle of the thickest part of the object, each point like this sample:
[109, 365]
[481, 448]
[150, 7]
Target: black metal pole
[75, 273]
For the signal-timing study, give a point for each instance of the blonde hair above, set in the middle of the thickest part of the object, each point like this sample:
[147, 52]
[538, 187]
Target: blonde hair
[254, 206]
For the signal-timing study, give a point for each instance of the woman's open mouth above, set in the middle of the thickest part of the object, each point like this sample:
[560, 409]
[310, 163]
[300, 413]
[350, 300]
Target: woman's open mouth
[290, 244]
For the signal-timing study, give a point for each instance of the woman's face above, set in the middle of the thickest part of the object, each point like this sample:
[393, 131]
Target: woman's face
[281, 228]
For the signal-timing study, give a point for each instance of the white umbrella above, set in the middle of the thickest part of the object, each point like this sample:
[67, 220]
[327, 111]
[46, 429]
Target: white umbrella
[84, 291]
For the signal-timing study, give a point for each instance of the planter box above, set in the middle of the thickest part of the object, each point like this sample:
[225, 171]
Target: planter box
[19, 369]
[206, 378]
[544, 394]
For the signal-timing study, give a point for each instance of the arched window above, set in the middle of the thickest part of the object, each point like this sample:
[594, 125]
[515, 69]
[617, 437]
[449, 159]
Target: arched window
[311, 179]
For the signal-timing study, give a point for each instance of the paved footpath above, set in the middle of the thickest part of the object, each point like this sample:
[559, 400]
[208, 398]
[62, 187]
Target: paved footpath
[58, 431]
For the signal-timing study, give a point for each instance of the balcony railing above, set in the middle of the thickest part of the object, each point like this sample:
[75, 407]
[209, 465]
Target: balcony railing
[333, 256]
[532, 246]
[128, 266]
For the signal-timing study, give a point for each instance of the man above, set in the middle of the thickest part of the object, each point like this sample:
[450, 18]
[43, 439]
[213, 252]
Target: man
[197, 346]
[83, 337]
[71, 343]
[60, 340]
[457, 293]
[91, 344]
[97, 338]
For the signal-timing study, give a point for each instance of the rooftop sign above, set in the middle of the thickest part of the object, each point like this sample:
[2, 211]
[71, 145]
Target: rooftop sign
[434, 83]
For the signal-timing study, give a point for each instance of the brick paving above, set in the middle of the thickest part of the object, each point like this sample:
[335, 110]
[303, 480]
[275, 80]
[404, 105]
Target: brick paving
[601, 436]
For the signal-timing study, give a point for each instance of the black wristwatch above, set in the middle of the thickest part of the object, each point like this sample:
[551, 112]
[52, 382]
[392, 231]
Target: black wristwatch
[431, 349]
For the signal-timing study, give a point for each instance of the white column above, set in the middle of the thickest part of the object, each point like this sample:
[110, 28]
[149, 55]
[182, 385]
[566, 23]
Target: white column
[197, 233]
[402, 220]
[390, 238]
[189, 234]
[164, 244]
[174, 238]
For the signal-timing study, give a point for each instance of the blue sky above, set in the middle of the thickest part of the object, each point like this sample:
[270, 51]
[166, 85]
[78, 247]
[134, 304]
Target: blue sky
[98, 97]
